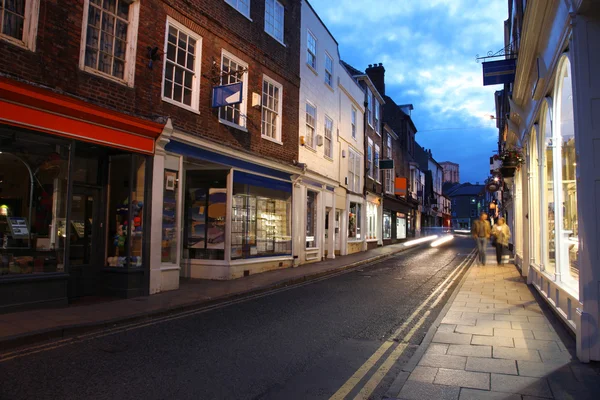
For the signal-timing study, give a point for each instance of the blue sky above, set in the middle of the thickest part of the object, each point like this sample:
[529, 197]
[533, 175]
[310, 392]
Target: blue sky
[428, 49]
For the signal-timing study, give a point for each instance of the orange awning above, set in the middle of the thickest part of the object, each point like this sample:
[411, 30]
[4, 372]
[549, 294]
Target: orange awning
[39, 109]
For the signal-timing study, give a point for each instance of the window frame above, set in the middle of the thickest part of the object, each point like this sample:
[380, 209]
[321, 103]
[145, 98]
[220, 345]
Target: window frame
[236, 7]
[279, 86]
[353, 119]
[276, 4]
[197, 67]
[353, 170]
[310, 52]
[330, 138]
[328, 72]
[314, 126]
[376, 155]
[244, 103]
[376, 114]
[369, 158]
[30, 27]
[130, 50]
[369, 108]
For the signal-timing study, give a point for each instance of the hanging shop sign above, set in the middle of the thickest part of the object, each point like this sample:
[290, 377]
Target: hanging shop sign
[227, 95]
[400, 186]
[499, 72]
[386, 164]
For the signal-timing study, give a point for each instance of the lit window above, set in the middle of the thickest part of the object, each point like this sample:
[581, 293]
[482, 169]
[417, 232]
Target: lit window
[234, 70]
[311, 219]
[18, 21]
[311, 118]
[271, 109]
[311, 51]
[109, 36]
[242, 6]
[376, 164]
[181, 73]
[370, 158]
[274, 19]
[354, 221]
[328, 70]
[353, 122]
[328, 137]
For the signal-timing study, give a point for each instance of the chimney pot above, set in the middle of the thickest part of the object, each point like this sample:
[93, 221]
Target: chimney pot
[370, 65]
[380, 64]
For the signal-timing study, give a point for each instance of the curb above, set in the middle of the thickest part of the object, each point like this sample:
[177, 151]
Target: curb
[401, 379]
[73, 330]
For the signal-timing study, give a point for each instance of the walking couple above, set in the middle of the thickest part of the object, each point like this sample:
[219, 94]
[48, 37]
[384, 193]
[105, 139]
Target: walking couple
[482, 232]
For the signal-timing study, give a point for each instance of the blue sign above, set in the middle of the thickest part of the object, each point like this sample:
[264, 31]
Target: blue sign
[227, 95]
[499, 72]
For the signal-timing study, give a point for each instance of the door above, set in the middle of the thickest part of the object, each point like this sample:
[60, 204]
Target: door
[338, 234]
[85, 249]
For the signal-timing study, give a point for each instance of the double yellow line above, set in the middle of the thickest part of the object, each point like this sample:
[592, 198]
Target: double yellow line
[384, 368]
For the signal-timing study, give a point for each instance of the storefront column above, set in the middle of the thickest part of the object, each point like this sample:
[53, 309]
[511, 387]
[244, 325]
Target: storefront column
[331, 233]
[298, 223]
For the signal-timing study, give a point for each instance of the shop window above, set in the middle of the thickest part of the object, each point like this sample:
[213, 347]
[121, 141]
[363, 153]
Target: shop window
[387, 225]
[311, 219]
[109, 36]
[170, 235]
[33, 201]
[548, 207]
[234, 70]
[354, 221]
[205, 214]
[400, 226]
[18, 21]
[274, 13]
[261, 221]
[126, 211]
[534, 204]
[371, 221]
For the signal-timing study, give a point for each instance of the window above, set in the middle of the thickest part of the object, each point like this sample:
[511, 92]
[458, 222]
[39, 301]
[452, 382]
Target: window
[371, 221]
[242, 6]
[328, 70]
[473, 213]
[387, 225]
[311, 219]
[400, 226]
[311, 119]
[354, 123]
[109, 36]
[389, 173]
[274, 19]
[376, 113]
[170, 234]
[271, 109]
[18, 21]
[370, 158]
[234, 70]
[328, 137]
[548, 198]
[311, 51]
[369, 107]
[181, 71]
[376, 164]
[353, 171]
[354, 221]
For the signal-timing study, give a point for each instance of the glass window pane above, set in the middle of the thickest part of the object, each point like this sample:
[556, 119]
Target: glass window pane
[548, 194]
[170, 234]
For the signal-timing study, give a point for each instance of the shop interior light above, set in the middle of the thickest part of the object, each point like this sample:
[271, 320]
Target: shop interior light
[420, 240]
[442, 240]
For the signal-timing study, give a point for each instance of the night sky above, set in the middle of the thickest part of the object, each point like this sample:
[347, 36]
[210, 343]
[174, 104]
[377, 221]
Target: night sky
[428, 49]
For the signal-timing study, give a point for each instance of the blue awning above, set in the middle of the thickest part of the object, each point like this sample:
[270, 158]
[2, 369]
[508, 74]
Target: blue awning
[261, 181]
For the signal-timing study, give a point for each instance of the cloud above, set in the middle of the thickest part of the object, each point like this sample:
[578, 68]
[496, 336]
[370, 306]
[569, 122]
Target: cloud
[428, 49]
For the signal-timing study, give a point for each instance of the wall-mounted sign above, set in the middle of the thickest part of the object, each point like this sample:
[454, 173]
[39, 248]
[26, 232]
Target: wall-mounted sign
[386, 164]
[499, 72]
[400, 186]
[227, 95]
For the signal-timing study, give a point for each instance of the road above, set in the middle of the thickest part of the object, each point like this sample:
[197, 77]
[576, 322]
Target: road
[331, 338]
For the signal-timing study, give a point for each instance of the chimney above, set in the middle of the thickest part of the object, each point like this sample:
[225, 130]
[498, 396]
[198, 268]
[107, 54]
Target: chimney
[376, 73]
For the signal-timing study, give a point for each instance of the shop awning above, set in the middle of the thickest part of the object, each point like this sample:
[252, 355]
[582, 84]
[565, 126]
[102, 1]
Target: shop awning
[39, 109]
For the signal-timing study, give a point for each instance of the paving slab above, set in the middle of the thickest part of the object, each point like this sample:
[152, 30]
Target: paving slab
[515, 354]
[423, 374]
[542, 369]
[492, 341]
[521, 385]
[513, 333]
[475, 394]
[510, 318]
[448, 328]
[413, 390]
[437, 348]
[495, 365]
[454, 377]
[474, 330]
[470, 350]
[550, 345]
[443, 361]
[493, 324]
[452, 338]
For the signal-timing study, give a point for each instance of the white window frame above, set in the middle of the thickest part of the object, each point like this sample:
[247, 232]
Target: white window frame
[236, 5]
[328, 146]
[370, 157]
[369, 109]
[376, 117]
[130, 52]
[197, 66]
[328, 72]
[353, 119]
[30, 26]
[310, 140]
[271, 23]
[310, 52]
[376, 155]
[353, 170]
[389, 174]
[244, 103]
[278, 138]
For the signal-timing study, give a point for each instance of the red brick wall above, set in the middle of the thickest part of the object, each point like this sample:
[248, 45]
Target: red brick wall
[55, 65]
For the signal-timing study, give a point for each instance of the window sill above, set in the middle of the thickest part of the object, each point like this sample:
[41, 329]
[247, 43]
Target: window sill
[328, 86]
[270, 139]
[180, 105]
[106, 76]
[16, 42]
[312, 69]
[247, 16]
[328, 158]
[233, 125]
[278, 41]
[307, 147]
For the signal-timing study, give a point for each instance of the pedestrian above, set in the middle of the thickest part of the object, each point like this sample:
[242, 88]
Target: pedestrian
[501, 234]
[481, 233]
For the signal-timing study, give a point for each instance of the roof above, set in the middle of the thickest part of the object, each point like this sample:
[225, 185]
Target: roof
[322, 23]
[467, 189]
[351, 69]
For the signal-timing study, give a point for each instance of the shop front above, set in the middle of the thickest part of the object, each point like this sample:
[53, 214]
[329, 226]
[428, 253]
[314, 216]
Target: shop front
[374, 221]
[220, 216]
[72, 200]
[396, 220]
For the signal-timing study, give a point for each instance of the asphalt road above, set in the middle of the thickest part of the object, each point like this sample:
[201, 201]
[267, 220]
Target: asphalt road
[301, 343]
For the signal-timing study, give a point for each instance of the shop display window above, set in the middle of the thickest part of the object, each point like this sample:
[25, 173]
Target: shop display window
[33, 202]
[205, 214]
[126, 210]
[548, 200]
[261, 222]
[170, 234]
[400, 226]
[387, 225]
[311, 219]
[354, 221]
[371, 221]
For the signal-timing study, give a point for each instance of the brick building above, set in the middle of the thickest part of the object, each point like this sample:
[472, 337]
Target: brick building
[105, 115]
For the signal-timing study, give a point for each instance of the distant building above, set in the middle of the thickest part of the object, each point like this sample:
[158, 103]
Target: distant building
[451, 172]
[467, 202]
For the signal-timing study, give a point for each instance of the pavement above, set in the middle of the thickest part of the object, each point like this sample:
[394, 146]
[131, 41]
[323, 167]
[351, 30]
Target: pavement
[496, 339]
[27, 327]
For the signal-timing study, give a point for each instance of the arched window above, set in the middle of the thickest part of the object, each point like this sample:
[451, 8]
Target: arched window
[534, 197]
[547, 217]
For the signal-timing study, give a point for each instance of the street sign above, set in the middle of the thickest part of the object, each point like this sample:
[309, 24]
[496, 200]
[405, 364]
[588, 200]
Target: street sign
[227, 95]
[497, 72]
[386, 164]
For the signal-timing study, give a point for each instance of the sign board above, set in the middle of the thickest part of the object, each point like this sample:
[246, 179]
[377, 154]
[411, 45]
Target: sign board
[18, 227]
[400, 186]
[499, 72]
[227, 95]
[386, 164]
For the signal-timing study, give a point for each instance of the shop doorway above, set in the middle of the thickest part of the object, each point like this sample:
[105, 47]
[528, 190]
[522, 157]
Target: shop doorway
[85, 241]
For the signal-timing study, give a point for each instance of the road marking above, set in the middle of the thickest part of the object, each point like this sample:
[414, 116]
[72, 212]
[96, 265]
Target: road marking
[351, 383]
